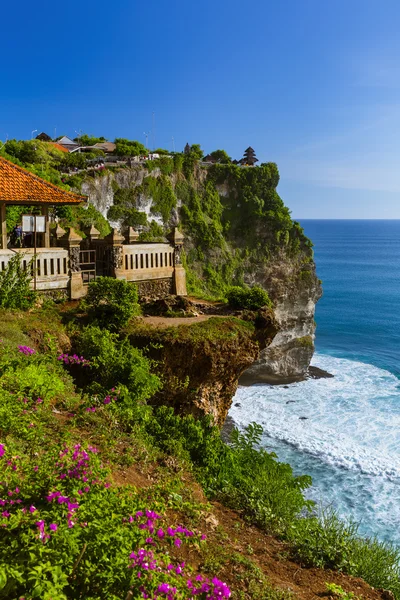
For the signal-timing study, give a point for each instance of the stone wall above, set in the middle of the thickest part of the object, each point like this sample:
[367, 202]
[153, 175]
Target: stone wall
[155, 289]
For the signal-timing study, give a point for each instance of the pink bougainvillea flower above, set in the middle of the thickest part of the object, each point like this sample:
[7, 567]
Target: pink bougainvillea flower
[26, 350]
[2, 450]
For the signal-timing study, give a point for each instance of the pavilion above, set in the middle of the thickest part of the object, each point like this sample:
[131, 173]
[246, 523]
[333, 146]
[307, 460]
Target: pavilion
[20, 187]
[67, 263]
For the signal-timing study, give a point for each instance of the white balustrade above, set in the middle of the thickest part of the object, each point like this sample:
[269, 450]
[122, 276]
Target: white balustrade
[148, 261]
[52, 266]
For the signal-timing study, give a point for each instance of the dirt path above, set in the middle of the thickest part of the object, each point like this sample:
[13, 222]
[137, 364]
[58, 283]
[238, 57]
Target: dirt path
[162, 322]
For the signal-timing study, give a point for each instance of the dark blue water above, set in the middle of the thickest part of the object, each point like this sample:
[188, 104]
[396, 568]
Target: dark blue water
[359, 314]
[349, 441]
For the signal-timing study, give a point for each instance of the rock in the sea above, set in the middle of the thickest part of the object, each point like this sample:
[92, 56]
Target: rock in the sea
[317, 373]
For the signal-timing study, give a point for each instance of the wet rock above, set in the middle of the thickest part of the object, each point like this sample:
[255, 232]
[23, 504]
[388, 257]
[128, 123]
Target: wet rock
[317, 373]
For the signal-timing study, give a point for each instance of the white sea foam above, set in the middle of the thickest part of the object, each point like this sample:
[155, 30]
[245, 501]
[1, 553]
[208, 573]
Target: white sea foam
[349, 440]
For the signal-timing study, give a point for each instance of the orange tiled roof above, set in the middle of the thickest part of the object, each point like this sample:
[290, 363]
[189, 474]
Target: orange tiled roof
[59, 147]
[17, 185]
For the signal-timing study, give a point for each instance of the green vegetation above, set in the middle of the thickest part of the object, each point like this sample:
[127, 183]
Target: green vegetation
[111, 303]
[220, 156]
[126, 147]
[214, 330]
[15, 289]
[305, 342]
[250, 298]
[89, 140]
[52, 402]
[339, 592]
[81, 218]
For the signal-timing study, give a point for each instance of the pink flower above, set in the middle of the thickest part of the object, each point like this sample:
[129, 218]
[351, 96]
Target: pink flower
[32, 509]
[2, 450]
[53, 526]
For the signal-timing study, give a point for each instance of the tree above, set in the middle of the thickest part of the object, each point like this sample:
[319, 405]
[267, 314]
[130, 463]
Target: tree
[196, 151]
[126, 147]
[220, 156]
[249, 157]
[89, 140]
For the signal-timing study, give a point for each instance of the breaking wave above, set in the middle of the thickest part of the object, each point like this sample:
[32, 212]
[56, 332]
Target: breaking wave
[343, 431]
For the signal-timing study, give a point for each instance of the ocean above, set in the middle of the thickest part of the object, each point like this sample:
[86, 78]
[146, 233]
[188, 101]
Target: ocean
[349, 441]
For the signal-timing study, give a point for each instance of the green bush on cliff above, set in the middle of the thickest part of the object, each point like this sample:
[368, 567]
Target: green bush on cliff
[240, 474]
[248, 298]
[111, 302]
[115, 362]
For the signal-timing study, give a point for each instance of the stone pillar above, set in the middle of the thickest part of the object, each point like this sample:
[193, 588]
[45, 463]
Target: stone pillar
[3, 228]
[59, 232]
[115, 254]
[93, 234]
[72, 242]
[176, 238]
[131, 236]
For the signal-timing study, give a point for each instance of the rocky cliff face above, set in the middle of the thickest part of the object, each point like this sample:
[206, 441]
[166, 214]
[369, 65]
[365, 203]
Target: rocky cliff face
[237, 229]
[200, 364]
[294, 294]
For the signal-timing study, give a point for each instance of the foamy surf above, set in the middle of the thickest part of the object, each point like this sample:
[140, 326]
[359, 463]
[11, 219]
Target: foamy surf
[344, 431]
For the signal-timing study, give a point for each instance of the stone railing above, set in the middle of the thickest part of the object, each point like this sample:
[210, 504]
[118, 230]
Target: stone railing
[52, 266]
[147, 261]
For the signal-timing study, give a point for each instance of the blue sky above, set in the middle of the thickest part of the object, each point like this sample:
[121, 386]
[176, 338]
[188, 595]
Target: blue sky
[311, 85]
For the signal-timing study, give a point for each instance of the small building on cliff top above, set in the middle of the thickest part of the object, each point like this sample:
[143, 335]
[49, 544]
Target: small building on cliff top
[68, 143]
[62, 262]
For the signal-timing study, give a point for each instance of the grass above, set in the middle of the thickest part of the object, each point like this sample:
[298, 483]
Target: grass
[214, 330]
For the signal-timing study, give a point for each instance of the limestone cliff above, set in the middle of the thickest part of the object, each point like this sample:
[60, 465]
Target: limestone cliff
[237, 231]
[200, 364]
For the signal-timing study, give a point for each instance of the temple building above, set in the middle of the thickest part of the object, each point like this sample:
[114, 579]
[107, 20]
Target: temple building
[63, 262]
[249, 157]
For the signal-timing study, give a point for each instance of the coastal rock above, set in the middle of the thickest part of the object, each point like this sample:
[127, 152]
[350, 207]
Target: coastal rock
[294, 290]
[317, 373]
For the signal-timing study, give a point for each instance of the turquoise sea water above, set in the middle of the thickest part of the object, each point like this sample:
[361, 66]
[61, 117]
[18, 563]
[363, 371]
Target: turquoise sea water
[350, 439]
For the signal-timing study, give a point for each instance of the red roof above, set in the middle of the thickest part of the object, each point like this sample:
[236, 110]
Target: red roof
[59, 147]
[17, 185]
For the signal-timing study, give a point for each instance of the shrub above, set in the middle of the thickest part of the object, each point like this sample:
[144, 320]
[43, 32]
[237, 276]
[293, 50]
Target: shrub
[65, 520]
[251, 298]
[15, 290]
[241, 475]
[115, 362]
[111, 302]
